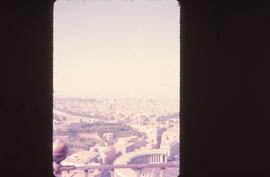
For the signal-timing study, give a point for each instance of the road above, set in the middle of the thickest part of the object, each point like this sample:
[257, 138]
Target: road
[78, 118]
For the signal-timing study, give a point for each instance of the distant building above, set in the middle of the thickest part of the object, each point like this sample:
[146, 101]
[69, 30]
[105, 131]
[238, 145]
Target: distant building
[170, 141]
[153, 133]
[82, 158]
[140, 157]
[172, 149]
[109, 136]
[80, 173]
[129, 144]
[107, 153]
[169, 135]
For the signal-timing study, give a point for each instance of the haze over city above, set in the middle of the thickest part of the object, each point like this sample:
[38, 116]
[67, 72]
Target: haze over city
[116, 48]
[116, 88]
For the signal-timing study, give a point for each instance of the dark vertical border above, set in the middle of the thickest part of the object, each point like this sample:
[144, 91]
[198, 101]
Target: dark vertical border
[26, 87]
[224, 92]
[224, 88]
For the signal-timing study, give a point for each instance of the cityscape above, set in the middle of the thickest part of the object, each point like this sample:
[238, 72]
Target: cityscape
[116, 82]
[115, 131]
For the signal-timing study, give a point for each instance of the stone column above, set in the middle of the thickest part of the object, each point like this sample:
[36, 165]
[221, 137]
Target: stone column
[165, 159]
[139, 171]
[112, 172]
[162, 172]
[85, 173]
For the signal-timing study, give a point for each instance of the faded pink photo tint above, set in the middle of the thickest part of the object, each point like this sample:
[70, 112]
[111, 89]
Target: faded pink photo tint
[116, 109]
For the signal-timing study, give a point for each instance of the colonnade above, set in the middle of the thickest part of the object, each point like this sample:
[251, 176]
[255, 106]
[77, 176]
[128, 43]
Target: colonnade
[156, 158]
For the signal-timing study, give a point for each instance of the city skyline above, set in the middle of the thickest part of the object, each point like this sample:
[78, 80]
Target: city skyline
[108, 49]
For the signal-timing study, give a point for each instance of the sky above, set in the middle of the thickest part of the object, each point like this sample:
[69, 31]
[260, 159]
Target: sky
[117, 48]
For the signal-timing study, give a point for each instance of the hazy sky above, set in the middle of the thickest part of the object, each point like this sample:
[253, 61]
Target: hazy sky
[116, 48]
